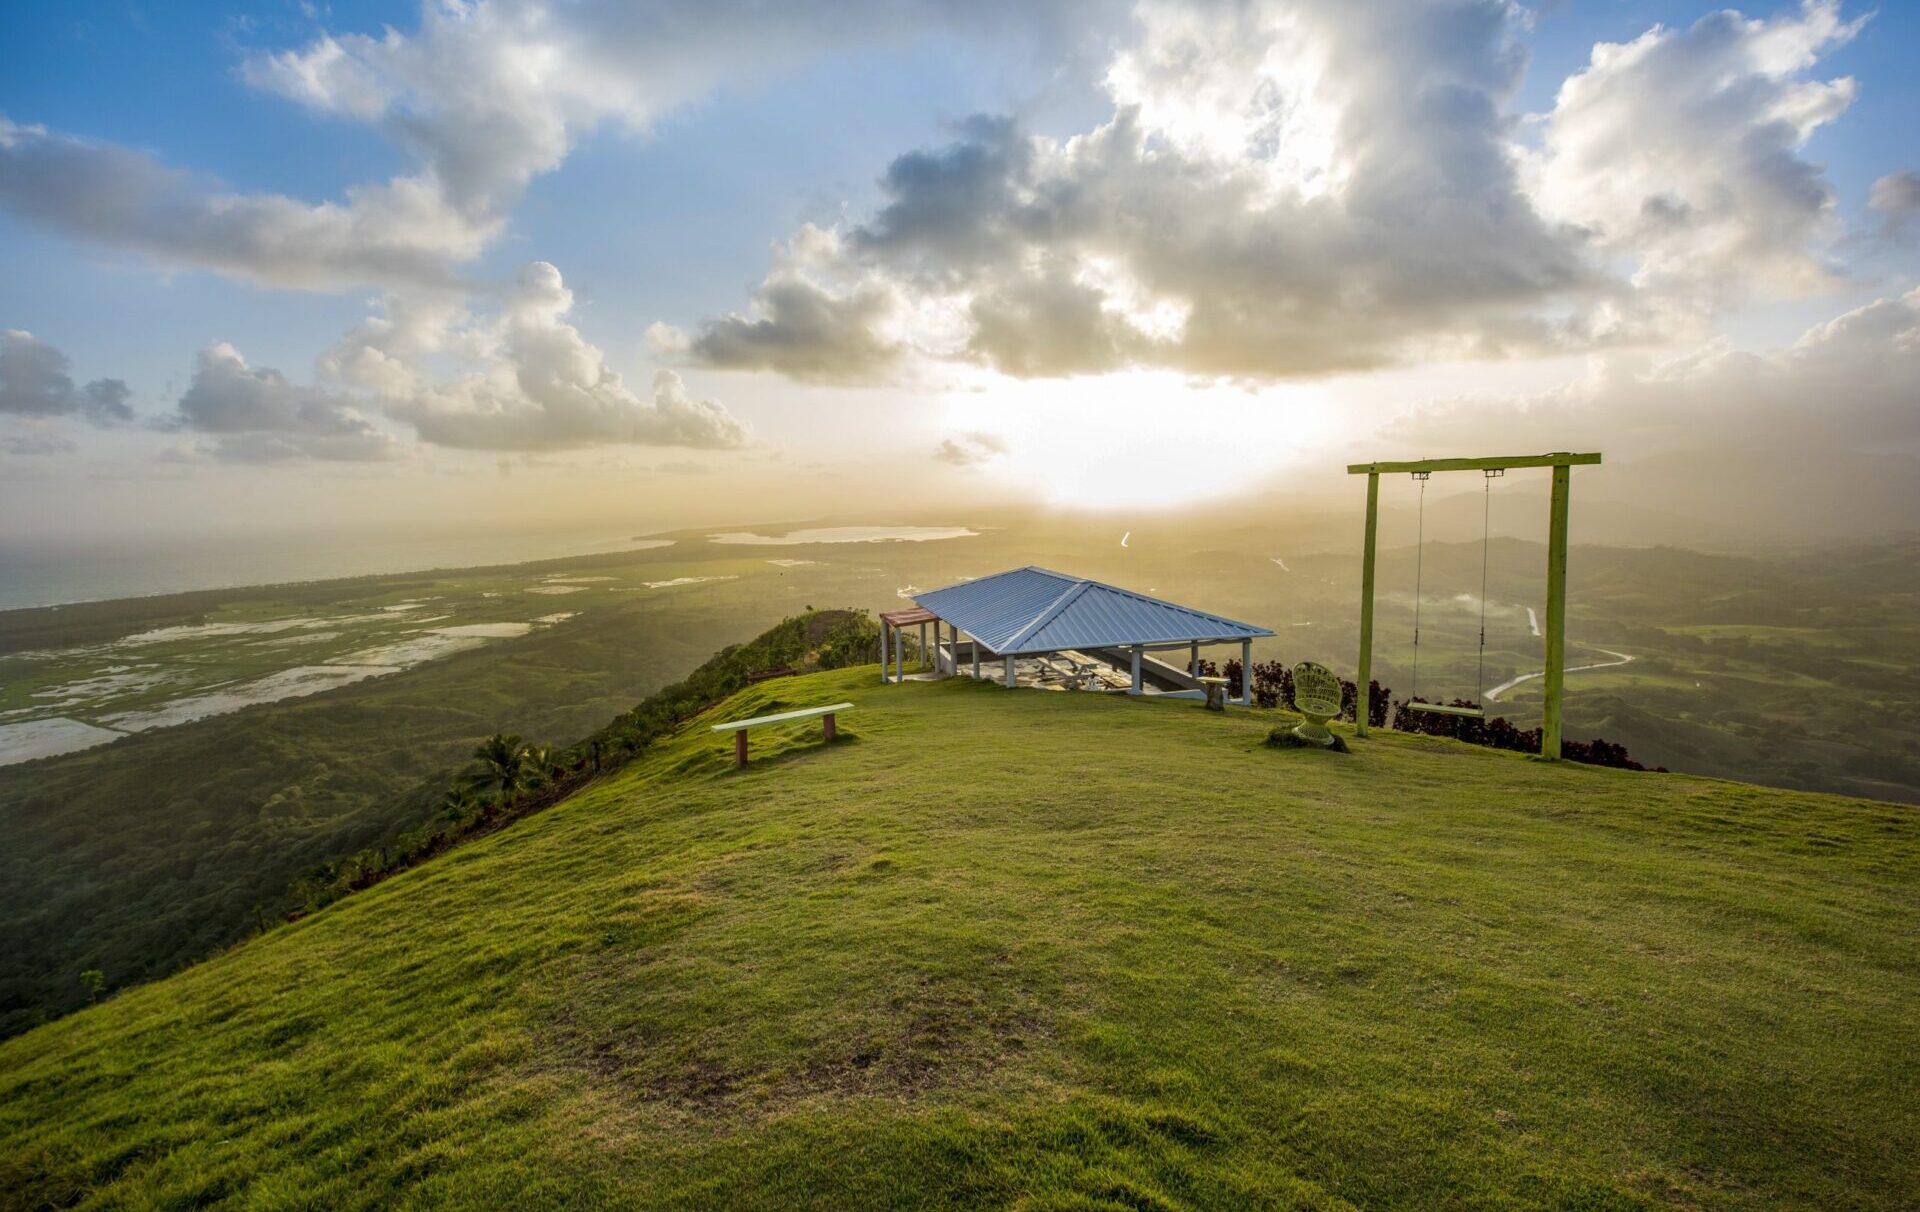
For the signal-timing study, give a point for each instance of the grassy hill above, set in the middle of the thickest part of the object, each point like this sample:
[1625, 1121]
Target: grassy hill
[140, 857]
[1051, 950]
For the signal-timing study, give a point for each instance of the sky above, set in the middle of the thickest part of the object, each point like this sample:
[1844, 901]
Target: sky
[300, 267]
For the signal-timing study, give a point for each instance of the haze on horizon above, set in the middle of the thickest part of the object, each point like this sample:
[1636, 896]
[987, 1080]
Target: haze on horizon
[296, 267]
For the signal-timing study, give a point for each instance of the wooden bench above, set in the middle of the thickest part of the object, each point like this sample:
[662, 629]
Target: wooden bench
[739, 728]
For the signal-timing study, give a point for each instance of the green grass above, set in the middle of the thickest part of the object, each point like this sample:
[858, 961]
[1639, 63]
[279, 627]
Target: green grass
[1048, 950]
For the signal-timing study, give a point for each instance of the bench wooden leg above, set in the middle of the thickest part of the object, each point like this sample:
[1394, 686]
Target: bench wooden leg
[739, 749]
[827, 722]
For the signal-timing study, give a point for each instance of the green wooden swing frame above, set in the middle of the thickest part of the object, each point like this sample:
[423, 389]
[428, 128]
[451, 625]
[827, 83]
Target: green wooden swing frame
[1554, 665]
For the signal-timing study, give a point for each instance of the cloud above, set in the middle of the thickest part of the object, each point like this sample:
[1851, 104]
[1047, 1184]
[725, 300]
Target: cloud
[1897, 196]
[34, 383]
[34, 444]
[1193, 230]
[970, 449]
[1844, 390]
[1317, 188]
[259, 416]
[481, 97]
[1680, 151]
[1816, 436]
[801, 329]
[403, 230]
[540, 385]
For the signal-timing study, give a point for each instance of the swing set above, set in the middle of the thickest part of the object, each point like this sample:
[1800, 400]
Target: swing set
[1554, 678]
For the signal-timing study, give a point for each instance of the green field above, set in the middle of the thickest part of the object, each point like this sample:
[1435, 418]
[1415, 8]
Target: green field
[1045, 950]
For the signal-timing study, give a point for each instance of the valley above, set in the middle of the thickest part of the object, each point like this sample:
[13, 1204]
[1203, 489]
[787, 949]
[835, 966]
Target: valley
[226, 741]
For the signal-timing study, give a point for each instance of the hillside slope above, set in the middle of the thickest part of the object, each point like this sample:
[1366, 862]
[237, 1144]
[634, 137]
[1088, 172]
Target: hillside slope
[1047, 949]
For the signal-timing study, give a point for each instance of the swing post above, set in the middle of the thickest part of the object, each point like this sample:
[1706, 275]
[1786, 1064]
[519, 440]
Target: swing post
[1554, 679]
[1556, 637]
[1366, 609]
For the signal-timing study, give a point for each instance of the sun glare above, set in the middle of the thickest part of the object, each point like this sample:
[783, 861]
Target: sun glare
[1140, 438]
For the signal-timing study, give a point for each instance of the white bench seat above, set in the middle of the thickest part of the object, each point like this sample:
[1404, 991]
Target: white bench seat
[740, 728]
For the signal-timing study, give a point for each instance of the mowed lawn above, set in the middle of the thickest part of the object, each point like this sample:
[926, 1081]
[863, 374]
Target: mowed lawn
[1049, 951]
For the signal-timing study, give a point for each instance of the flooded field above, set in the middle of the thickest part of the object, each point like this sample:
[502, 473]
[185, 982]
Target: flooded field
[844, 534]
[61, 699]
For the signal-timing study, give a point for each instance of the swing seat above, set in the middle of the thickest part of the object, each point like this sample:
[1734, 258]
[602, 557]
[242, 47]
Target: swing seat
[1478, 713]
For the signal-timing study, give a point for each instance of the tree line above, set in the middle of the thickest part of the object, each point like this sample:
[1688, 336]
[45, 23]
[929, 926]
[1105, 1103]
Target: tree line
[509, 778]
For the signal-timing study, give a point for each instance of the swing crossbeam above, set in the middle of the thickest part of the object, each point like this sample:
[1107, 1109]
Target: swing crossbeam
[1418, 465]
[1562, 463]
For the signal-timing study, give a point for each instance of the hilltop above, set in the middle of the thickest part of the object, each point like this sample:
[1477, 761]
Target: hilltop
[1048, 949]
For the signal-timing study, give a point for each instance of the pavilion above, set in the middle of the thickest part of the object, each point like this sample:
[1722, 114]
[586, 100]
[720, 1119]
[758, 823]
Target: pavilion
[1049, 629]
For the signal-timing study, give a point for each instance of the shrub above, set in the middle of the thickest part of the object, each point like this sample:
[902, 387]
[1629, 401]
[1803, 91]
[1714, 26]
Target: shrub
[1498, 732]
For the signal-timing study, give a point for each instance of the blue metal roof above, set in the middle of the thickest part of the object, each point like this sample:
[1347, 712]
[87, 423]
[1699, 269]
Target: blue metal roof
[1035, 610]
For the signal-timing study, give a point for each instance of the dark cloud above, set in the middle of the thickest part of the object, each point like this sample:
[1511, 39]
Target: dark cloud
[1362, 205]
[1897, 196]
[34, 382]
[804, 331]
[1149, 241]
[400, 231]
[954, 207]
[257, 415]
[33, 444]
[1046, 324]
[970, 449]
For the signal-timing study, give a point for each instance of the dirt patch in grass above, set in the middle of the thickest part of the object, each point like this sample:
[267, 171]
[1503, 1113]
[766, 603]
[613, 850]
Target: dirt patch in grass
[929, 1040]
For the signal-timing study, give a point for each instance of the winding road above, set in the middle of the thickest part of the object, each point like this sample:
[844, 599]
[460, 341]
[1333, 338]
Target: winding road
[1494, 694]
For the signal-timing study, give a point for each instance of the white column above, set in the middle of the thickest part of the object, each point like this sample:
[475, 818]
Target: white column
[1246, 673]
[1009, 673]
[899, 655]
[1136, 670]
[1193, 660]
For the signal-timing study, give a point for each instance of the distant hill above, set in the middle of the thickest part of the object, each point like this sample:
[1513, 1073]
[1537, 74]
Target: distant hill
[1044, 950]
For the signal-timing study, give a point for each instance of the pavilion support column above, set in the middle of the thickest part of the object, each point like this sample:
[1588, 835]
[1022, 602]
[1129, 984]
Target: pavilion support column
[899, 655]
[923, 647]
[1009, 661]
[975, 641]
[883, 651]
[1136, 670]
[1246, 673]
[1193, 660]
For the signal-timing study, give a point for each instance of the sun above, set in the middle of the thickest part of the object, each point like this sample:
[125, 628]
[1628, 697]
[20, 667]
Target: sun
[1140, 438]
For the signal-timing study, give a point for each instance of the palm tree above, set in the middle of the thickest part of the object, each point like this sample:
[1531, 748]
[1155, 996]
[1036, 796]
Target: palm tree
[502, 766]
[458, 803]
[540, 767]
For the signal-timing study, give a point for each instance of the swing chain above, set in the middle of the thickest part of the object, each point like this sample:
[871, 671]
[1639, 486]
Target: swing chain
[1419, 559]
[1486, 534]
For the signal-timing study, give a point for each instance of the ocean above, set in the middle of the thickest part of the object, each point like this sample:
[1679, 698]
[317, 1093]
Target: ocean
[35, 573]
